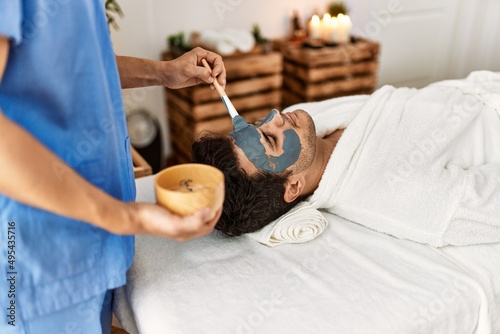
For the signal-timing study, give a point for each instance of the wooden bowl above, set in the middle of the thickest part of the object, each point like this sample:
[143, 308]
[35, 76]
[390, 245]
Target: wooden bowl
[186, 188]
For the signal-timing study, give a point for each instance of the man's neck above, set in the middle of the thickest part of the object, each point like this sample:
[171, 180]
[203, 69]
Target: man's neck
[324, 149]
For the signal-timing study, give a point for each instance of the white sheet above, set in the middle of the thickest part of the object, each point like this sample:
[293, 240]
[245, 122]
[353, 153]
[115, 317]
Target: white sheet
[350, 279]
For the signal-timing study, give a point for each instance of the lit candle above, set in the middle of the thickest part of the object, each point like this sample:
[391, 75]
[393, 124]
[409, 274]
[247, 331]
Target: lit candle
[315, 27]
[326, 27]
[334, 30]
[344, 28]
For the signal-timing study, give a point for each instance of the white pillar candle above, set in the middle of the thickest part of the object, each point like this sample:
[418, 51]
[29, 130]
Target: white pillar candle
[344, 28]
[326, 27]
[315, 27]
[334, 30]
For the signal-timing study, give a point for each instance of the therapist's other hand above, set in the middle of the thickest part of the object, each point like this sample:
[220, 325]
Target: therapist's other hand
[187, 70]
[152, 219]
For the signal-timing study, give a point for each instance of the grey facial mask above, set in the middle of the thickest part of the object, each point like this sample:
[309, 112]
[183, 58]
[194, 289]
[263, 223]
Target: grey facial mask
[247, 137]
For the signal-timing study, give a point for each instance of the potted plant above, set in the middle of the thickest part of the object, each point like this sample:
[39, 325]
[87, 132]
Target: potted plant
[337, 7]
[177, 44]
[113, 9]
[261, 40]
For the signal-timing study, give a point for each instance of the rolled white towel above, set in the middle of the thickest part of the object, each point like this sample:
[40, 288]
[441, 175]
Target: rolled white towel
[301, 224]
[243, 40]
[224, 48]
[217, 42]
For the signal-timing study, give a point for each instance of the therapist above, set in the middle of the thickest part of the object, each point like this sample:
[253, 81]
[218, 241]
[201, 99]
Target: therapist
[67, 216]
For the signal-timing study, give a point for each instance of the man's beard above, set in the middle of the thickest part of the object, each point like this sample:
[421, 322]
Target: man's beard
[309, 150]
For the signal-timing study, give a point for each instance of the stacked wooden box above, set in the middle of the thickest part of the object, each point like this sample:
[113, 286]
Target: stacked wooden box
[254, 83]
[141, 166]
[317, 74]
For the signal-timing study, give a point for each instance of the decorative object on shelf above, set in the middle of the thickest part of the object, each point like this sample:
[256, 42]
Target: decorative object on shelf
[340, 23]
[258, 35]
[298, 33]
[337, 7]
[264, 42]
[225, 42]
[314, 27]
[334, 28]
[177, 44]
[112, 9]
[328, 27]
[343, 29]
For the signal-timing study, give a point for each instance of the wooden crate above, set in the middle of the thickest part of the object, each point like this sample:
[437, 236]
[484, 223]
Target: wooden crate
[254, 83]
[141, 166]
[330, 71]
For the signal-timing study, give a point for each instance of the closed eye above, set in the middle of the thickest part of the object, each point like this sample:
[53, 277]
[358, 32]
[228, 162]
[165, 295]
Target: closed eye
[273, 139]
[270, 139]
[267, 139]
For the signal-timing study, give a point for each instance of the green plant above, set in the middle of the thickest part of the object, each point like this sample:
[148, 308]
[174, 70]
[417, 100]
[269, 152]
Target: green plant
[338, 7]
[177, 44]
[258, 35]
[113, 9]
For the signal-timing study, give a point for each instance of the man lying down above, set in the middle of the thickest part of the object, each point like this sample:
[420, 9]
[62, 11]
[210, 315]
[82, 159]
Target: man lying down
[419, 164]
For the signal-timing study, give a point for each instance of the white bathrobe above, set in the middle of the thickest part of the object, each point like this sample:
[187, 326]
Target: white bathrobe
[419, 164]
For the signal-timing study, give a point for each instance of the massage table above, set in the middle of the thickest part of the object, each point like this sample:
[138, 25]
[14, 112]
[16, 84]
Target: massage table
[349, 279]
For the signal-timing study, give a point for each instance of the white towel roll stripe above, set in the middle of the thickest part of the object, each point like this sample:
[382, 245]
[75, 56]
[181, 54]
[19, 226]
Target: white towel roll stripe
[301, 224]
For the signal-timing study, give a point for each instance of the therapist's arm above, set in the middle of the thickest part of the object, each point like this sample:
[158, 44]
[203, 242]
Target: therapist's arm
[4, 53]
[186, 70]
[33, 175]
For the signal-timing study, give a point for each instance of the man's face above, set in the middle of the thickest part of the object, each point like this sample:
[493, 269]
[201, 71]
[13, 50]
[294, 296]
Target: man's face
[276, 143]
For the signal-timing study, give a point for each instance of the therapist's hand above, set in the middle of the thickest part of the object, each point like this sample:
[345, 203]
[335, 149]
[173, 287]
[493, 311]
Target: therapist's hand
[187, 70]
[152, 219]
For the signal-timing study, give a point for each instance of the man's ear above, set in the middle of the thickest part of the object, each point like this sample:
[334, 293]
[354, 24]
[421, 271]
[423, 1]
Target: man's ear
[294, 187]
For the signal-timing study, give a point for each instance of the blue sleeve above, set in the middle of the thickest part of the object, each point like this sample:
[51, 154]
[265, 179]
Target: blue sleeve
[10, 19]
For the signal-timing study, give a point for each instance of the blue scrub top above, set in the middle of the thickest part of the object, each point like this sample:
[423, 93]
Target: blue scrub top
[61, 84]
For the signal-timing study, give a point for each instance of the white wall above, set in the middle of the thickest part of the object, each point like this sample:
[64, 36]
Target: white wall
[477, 38]
[422, 41]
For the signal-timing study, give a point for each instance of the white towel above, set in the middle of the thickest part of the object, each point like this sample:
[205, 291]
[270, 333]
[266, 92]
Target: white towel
[242, 40]
[301, 224]
[215, 41]
[420, 164]
[227, 41]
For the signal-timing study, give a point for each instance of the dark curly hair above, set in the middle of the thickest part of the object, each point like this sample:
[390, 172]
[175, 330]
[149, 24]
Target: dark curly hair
[251, 202]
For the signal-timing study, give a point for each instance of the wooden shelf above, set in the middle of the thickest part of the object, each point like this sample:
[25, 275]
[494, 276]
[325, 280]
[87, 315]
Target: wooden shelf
[141, 166]
[331, 71]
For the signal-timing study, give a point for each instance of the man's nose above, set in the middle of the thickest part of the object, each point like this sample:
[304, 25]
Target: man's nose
[278, 119]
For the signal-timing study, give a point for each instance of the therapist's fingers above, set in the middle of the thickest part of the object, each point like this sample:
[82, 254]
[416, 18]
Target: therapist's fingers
[156, 220]
[197, 224]
[188, 70]
[216, 63]
[216, 218]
